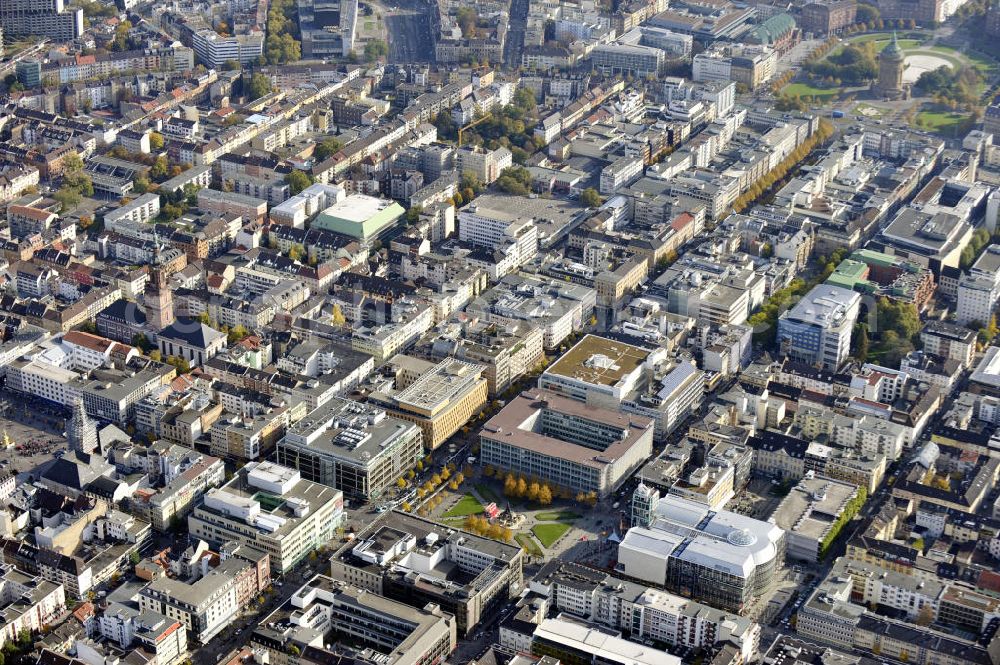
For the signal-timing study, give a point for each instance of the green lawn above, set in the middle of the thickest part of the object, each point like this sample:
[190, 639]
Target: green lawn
[804, 89]
[981, 63]
[528, 543]
[487, 493]
[467, 505]
[911, 36]
[549, 533]
[369, 25]
[557, 516]
[939, 121]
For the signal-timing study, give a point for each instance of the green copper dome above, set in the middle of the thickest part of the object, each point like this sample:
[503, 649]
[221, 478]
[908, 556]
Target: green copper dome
[893, 50]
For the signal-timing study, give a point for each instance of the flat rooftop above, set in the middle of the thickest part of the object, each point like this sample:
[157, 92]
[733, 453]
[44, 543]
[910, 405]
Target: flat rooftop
[358, 208]
[393, 525]
[813, 505]
[599, 360]
[351, 431]
[519, 422]
[436, 388]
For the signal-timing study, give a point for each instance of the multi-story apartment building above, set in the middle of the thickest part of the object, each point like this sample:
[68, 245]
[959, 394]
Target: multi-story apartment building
[44, 18]
[107, 65]
[507, 351]
[137, 211]
[352, 446]
[949, 341]
[183, 476]
[271, 508]
[557, 307]
[28, 603]
[979, 289]
[206, 605]
[487, 165]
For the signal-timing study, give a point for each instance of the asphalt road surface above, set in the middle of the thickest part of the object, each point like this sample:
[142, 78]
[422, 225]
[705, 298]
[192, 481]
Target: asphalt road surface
[411, 31]
[514, 45]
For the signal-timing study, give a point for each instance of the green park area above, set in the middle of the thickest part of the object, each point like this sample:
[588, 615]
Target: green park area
[557, 516]
[549, 533]
[941, 122]
[529, 544]
[806, 90]
[467, 505]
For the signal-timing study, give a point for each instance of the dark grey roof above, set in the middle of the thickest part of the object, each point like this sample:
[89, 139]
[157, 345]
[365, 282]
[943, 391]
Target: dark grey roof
[191, 332]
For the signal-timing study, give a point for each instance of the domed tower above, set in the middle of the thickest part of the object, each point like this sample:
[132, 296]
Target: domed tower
[890, 70]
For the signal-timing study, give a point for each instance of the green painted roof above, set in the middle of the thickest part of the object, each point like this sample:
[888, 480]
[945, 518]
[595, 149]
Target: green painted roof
[774, 28]
[848, 273]
[871, 257]
[893, 50]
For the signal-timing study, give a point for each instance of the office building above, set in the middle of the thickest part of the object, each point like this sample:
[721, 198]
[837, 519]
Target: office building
[27, 603]
[718, 557]
[352, 446]
[271, 508]
[439, 398]
[566, 640]
[812, 514]
[416, 561]
[621, 173]
[326, 621]
[615, 375]
[641, 612]
[495, 228]
[29, 73]
[360, 216]
[817, 331]
[568, 444]
[214, 50]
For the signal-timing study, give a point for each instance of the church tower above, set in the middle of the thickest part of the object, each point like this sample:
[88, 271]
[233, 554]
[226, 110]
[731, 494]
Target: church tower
[158, 298]
[81, 431]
